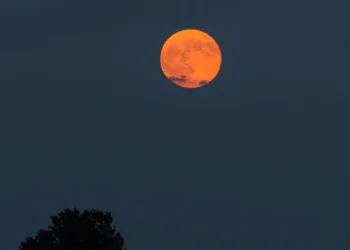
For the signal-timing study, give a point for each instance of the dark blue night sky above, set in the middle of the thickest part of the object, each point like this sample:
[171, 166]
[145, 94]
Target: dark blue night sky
[258, 159]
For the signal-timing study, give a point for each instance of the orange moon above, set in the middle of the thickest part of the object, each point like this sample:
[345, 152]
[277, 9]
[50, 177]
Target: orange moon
[190, 58]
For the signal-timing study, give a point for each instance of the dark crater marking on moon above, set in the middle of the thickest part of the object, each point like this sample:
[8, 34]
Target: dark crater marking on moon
[182, 78]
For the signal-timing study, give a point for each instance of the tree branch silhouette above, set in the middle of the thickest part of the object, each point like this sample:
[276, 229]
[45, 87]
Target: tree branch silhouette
[75, 230]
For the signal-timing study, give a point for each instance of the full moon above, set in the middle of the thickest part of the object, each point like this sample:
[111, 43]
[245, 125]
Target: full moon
[190, 58]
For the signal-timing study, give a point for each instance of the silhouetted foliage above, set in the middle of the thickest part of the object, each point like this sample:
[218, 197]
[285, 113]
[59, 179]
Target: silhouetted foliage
[75, 230]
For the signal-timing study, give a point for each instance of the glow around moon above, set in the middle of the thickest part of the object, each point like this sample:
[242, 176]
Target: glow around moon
[190, 58]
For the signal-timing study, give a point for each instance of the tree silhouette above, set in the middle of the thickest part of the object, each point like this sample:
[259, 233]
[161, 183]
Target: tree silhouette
[75, 230]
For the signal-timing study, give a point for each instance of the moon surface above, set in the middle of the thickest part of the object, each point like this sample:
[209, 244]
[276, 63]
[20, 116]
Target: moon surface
[190, 58]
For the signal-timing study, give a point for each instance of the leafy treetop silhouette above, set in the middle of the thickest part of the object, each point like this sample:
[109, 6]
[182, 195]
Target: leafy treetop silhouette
[75, 230]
